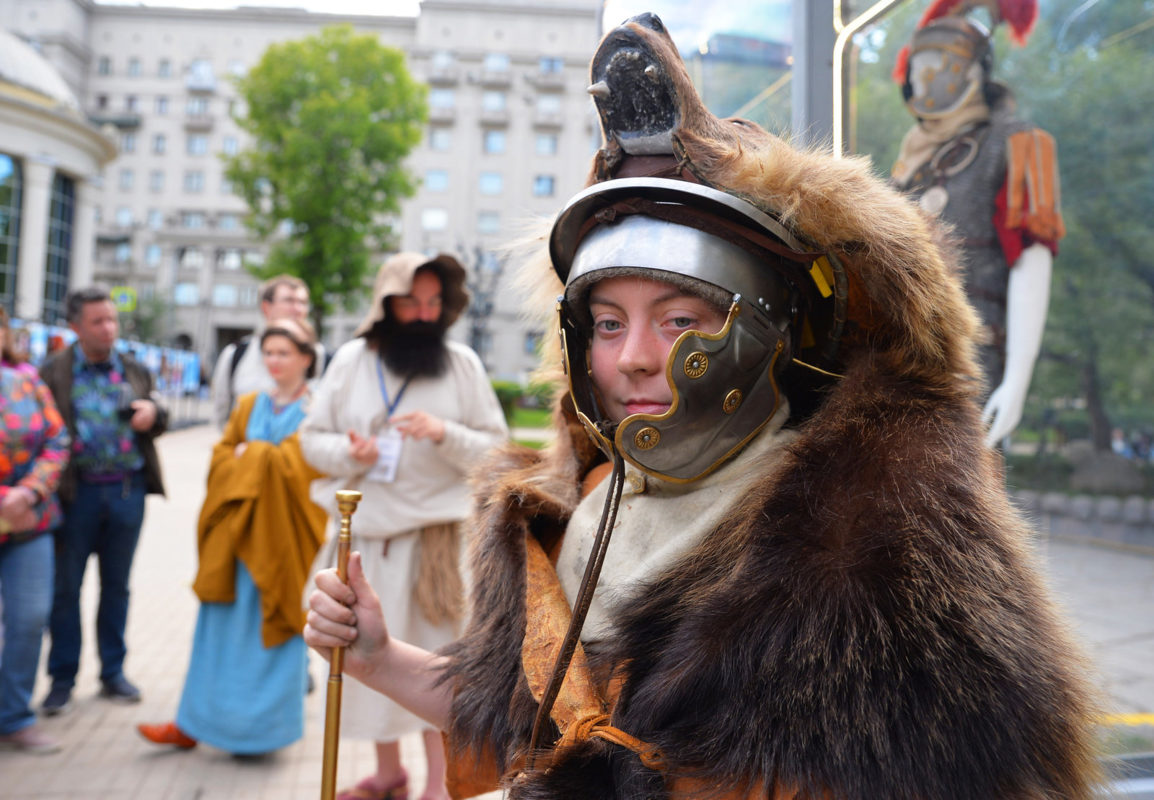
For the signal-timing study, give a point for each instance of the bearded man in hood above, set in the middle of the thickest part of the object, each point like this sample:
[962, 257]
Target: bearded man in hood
[400, 414]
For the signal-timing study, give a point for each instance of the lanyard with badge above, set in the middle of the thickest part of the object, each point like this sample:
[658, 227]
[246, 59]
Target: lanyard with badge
[388, 442]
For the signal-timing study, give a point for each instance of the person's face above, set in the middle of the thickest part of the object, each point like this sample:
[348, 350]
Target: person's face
[635, 323]
[421, 304]
[96, 329]
[287, 302]
[285, 363]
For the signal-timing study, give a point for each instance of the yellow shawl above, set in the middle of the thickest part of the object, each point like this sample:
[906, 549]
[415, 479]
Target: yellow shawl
[257, 509]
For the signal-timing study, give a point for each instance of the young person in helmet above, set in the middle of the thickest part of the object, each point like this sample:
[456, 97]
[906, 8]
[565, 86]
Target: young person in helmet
[768, 554]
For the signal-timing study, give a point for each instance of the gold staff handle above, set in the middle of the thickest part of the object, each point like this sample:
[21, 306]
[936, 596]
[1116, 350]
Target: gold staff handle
[347, 500]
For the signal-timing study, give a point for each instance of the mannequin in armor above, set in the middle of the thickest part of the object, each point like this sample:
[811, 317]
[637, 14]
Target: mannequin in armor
[994, 178]
[767, 554]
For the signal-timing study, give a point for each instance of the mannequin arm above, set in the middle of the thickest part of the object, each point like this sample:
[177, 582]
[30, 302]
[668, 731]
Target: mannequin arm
[1027, 299]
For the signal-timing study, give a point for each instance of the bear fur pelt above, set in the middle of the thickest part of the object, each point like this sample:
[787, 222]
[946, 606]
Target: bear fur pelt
[871, 622]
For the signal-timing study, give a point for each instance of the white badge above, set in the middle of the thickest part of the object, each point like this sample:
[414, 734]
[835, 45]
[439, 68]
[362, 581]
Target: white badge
[388, 456]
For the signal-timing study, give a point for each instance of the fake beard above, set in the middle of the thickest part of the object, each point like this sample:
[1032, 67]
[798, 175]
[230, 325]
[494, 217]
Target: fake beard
[415, 349]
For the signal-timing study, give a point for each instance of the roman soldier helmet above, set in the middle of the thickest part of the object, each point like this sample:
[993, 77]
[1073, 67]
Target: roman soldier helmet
[650, 216]
[963, 54]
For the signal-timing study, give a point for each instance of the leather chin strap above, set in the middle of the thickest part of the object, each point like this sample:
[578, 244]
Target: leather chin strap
[577, 621]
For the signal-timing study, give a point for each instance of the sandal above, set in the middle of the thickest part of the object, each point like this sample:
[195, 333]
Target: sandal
[368, 789]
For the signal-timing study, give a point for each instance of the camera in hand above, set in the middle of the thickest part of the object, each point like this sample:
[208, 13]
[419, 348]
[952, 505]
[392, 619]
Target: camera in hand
[124, 409]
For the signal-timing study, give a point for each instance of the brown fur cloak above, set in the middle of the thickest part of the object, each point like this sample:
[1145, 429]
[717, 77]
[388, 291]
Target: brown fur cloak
[870, 623]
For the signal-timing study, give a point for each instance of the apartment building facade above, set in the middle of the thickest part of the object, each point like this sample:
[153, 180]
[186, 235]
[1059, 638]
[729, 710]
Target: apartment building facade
[510, 132]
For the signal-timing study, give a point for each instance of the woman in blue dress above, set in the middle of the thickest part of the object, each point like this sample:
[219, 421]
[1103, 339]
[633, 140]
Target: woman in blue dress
[257, 535]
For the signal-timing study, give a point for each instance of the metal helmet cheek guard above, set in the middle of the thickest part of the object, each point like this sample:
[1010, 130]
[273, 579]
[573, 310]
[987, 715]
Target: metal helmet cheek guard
[724, 392]
[725, 384]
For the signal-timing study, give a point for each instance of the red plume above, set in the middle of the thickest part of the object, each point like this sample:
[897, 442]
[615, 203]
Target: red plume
[1020, 15]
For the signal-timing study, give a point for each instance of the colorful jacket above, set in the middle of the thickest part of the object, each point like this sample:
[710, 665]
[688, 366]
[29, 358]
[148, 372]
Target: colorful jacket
[57, 375]
[33, 447]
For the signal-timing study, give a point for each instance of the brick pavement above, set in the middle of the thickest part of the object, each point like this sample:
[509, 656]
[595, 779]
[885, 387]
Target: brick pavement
[1109, 593]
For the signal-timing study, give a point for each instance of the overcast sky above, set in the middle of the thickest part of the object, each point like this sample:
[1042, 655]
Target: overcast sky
[383, 7]
[690, 21]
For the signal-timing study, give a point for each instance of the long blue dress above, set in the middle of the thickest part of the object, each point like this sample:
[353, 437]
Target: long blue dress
[238, 695]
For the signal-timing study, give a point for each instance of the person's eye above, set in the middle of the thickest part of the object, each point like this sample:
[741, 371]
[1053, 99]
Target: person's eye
[607, 325]
[683, 322]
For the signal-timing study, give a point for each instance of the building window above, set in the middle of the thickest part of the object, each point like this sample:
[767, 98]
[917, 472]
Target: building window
[194, 181]
[437, 180]
[196, 106]
[493, 101]
[153, 255]
[186, 294]
[229, 146]
[192, 220]
[488, 222]
[225, 186]
[546, 144]
[159, 144]
[58, 263]
[231, 258]
[125, 180]
[134, 67]
[248, 297]
[442, 98]
[490, 183]
[549, 104]
[496, 62]
[434, 219]
[550, 65]
[494, 142]
[164, 68]
[104, 66]
[543, 186]
[227, 222]
[123, 252]
[192, 258]
[155, 219]
[236, 68]
[224, 295]
[443, 59]
[533, 341]
[130, 103]
[200, 76]
[440, 139]
[162, 105]
[156, 180]
[197, 144]
[101, 101]
[124, 217]
[11, 186]
[128, 143]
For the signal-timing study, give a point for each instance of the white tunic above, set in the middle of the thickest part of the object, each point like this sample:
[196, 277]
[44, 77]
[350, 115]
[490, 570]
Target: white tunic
[430, 487]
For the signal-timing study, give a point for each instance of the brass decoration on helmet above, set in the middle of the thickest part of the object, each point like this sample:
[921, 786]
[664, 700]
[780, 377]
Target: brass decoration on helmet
[647, 438]
[696, 364]
[732, 401]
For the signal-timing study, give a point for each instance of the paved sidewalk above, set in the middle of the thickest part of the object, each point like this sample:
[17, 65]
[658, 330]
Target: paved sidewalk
[1110, 595]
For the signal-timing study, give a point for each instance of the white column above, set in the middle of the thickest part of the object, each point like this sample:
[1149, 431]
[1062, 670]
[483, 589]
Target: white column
[83, 235]
[33, 238]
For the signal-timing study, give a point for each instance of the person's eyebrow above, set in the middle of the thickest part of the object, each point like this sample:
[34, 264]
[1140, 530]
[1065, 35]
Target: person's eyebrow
[673, 294]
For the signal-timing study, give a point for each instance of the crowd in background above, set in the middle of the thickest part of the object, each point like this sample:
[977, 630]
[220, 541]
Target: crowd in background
[398, 414]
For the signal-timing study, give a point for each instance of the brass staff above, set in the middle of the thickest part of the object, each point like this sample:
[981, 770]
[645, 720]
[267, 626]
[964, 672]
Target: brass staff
[347, 504]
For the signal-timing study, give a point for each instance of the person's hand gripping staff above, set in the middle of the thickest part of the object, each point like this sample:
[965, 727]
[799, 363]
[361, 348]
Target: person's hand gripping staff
[350, 616]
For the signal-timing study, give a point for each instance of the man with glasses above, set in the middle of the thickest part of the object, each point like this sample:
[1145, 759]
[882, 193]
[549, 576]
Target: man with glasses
[239, 367]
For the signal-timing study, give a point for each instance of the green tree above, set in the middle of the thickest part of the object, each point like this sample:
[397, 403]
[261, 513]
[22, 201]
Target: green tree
[332, 118]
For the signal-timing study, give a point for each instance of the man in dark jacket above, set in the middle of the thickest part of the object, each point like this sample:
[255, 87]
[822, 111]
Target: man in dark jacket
[106, 399]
